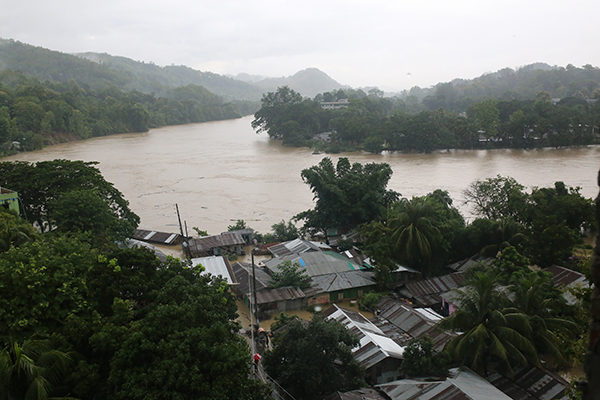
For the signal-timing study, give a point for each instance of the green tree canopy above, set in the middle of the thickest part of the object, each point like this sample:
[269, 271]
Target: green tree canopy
[492, 336]
[284, 232]
[14, 231]
[324, 343]
[290, 274]
[45, 182]
[186, 347]
[32, 371]
[420, 360]
[346, 195]
[496, 198]
[416, 238]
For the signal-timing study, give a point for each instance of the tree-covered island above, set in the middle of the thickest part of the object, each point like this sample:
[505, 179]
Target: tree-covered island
[349, 120]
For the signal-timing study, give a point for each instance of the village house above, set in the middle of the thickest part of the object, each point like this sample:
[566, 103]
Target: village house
[461, 384]
[335, 105]
[415, 322]
[429, 292]
[9, 199]
[217, 245]
[216, 266]
[334, 276]
[531, 383]
[378, 354]
[269, 300]
[164, 238]
[568, 280]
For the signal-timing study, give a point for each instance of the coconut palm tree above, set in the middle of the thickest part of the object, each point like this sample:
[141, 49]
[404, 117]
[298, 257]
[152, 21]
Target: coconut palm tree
[492, 336]
[30, 371]
[536, 297]
[414, 234]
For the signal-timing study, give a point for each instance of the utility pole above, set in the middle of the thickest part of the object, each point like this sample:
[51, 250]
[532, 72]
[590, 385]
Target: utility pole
[254, 287]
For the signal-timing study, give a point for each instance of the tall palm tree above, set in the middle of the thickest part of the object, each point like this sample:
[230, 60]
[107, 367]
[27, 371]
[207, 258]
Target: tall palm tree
[492, 337]
[414, 234]
[536, 297]
[30, 371]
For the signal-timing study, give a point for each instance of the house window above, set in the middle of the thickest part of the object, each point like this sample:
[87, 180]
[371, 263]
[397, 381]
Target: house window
[360, 293]
[341, 296]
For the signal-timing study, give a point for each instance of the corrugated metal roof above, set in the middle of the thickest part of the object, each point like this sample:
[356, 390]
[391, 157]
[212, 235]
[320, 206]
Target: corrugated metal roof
[460, 266]
[358, 394]
[138, 243]
[427, 292]
[157, 237]
[243, 276]
[279, 294]
[342, 281]
[217, 266]
[316, 263]
[415, 323]
[532, 384]
[462, 384]
[297, 246]
[207, 243]
[374, 345]
[564, 277]
[436, 285]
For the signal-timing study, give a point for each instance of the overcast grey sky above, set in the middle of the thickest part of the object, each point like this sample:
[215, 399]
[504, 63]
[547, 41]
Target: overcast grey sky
[393, 44]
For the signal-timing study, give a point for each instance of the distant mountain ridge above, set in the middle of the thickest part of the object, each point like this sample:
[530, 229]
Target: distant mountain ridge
[99, 69]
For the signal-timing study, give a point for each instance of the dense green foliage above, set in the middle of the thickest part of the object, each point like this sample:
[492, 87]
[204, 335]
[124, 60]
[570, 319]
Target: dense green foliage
[424, 233]
[71, 196]
[14, 230]
[31, 371]
[373, 123]
[507, 84]
[315, 359]
[136, 327]
[500, 327]
[290, 274]
[547, 223]
[34, 114]
[346, 195]
[419, 359]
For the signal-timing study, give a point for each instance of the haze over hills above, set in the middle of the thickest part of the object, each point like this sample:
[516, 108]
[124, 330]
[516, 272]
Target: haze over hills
[100, 69]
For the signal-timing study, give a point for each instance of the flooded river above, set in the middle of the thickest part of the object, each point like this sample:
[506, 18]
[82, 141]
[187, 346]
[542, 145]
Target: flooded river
[218, 172]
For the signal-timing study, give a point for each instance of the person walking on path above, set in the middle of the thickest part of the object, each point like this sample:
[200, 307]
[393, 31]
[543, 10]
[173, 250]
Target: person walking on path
[256, 357]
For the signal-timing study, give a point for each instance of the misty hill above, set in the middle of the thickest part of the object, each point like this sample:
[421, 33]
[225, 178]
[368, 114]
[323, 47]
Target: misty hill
[148, 77]
[99, 70]
[308, 82]
[508, 84]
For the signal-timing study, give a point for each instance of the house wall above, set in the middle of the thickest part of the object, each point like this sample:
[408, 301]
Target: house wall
[10, 201]
[384, 371]
[347, 294]
[320, 299]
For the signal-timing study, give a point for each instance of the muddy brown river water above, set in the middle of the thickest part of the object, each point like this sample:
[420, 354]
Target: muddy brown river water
[218, 172]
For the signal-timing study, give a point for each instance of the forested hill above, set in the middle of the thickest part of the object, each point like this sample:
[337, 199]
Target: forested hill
[148, 77]
[511, 84]
[99, 70]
